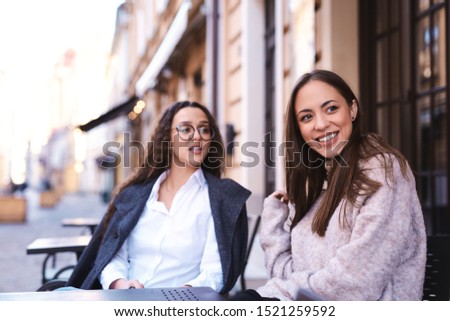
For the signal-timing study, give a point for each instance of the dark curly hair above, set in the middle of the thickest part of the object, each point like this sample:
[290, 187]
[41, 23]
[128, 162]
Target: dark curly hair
[159, 155]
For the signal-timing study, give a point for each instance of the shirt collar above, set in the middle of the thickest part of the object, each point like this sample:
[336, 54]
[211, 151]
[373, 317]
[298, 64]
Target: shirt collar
[199, 177]
[156, 186]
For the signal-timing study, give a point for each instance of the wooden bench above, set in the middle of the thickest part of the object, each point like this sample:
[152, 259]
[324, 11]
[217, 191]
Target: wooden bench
[13, 208]
[49, 198]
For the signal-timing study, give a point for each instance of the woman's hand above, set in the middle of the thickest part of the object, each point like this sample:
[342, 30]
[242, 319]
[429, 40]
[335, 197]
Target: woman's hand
[280, 195]
[126, 284]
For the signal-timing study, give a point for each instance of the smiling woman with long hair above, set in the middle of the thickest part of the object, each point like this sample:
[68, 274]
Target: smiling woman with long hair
[175, 222]
[349, 225]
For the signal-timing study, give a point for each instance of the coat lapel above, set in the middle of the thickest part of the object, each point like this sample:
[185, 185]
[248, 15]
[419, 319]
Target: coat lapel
[227, 200]
[129, 207]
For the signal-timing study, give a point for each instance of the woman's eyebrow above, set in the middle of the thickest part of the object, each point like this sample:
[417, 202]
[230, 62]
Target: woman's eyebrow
[188, 122]
[327, 102]
[308, 110]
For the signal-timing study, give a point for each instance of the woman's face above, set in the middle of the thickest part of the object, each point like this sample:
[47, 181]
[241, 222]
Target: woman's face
[324, 118]
[191, 141]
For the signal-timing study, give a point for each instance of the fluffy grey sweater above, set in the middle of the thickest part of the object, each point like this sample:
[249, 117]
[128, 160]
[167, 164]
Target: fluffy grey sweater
[379, 255]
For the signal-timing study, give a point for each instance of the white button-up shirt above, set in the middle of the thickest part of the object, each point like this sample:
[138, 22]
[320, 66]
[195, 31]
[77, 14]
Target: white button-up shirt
[171, 248]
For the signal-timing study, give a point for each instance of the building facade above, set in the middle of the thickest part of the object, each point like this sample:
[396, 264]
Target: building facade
[242, 57]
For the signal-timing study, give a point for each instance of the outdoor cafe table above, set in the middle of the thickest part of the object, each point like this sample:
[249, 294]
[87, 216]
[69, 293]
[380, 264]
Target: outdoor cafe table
[89, 222]
[52, 246]
[153, 294]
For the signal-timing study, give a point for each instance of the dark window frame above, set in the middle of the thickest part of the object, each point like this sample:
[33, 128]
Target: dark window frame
[437, 222]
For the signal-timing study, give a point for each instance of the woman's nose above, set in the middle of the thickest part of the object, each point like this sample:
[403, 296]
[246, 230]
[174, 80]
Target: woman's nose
[321, 122]
[197, 136]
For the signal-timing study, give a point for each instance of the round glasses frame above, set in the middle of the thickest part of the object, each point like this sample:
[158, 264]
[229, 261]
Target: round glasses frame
[206, 132]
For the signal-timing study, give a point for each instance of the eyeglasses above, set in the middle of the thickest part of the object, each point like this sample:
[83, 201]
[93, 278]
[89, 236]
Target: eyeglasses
[187, 131]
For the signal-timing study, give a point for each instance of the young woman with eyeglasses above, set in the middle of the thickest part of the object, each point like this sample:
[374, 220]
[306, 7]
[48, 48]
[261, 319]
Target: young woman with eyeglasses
[175, 222]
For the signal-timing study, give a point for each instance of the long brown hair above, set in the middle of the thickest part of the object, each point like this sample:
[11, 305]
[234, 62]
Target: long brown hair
[159, 155]
[305, 168]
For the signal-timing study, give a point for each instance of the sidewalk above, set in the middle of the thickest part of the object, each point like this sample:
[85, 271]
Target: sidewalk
[22, 273]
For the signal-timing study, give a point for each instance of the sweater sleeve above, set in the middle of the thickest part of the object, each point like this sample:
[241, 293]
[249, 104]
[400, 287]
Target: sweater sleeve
[384, 235]
[275, 237]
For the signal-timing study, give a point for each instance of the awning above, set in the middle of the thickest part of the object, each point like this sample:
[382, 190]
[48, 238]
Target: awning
[168, 44]
[122, 109]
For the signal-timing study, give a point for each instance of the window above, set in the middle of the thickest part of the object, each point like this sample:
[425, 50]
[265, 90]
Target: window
[404, 70]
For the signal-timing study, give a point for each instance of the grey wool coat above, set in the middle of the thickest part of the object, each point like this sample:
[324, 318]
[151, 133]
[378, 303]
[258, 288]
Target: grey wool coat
[228, 208]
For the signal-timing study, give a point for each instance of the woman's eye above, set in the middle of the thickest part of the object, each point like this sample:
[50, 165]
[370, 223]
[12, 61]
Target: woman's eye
[204, 130]
[185, 129]
[332, 108]
[305, 118]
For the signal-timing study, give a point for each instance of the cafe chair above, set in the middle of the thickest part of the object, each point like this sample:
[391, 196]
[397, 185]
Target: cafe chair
[253, 224]
[305, 295]
[52, 285]
[437, 274]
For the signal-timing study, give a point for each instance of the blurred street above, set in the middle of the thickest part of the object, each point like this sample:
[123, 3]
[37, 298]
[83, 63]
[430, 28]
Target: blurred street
[22, 273]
